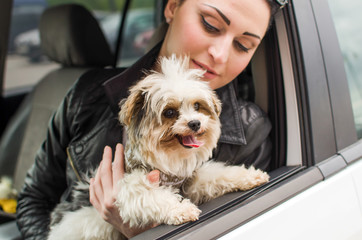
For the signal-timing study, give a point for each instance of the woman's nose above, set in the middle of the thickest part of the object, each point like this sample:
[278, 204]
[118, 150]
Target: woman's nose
[220, 50]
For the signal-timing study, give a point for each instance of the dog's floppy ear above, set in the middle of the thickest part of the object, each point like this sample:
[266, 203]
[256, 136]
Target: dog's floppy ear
[132, 106]
[217, 104]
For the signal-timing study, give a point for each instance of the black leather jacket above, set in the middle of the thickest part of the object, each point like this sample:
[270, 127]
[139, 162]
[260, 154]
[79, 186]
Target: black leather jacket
[86, 121]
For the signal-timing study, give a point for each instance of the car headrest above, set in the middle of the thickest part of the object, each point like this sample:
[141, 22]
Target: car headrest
[70, 35]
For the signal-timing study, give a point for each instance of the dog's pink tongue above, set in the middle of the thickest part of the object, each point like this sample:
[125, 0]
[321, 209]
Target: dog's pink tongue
[191, 141]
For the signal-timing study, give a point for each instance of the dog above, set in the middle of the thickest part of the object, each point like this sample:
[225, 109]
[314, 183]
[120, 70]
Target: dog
[172, 122]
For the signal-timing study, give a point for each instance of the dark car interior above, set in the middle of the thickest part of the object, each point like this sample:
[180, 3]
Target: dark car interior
[36, 109]
[24, 128]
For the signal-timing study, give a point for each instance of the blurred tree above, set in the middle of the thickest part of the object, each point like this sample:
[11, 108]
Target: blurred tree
[105, 5]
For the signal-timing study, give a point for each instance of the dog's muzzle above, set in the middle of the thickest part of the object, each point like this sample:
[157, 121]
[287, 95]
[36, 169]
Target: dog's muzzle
[194, 125]
[190, 141]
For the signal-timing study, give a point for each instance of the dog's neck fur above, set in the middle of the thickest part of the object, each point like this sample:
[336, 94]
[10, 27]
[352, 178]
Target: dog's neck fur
[166, 179]
[175, 166]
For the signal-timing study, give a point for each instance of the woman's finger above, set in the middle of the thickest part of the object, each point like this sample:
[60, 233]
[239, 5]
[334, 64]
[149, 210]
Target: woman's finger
[154, 176]
[106, 176]
[118, 164]
[92, 196]
[97, 184]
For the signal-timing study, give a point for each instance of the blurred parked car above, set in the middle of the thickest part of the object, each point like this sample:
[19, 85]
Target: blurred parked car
[138, 30]
[25, 17]
[139, 27]
[28, 44]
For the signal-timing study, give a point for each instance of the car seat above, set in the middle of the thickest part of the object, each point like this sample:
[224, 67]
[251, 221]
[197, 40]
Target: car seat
[70, 36]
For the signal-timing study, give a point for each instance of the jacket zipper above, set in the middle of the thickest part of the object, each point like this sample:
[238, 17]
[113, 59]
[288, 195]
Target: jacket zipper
[72, 165]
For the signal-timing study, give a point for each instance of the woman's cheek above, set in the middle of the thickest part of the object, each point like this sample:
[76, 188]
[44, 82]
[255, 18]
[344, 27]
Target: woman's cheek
[237, 64]
[191, 39]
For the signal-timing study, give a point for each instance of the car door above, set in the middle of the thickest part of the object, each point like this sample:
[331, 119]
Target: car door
[315, 188]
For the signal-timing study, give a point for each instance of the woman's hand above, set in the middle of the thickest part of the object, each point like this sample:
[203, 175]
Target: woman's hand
[102, 190]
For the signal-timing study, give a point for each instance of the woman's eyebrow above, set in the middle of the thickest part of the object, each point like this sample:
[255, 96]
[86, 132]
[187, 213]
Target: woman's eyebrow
[252, 35]
[227, 21]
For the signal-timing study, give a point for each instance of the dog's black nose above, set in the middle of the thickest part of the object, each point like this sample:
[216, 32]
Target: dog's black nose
[194, 125]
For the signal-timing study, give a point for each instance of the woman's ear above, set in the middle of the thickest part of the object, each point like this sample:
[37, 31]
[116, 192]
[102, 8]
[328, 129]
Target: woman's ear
[170, 10]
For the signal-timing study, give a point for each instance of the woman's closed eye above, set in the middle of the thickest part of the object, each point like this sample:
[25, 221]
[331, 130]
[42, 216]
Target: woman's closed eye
[240, 47]
[209, 27]
[214, 30]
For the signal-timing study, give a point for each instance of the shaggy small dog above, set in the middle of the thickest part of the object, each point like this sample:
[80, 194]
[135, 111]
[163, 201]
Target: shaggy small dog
[172, 121]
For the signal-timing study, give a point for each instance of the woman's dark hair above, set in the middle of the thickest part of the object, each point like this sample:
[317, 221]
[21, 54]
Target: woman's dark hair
[275, 5]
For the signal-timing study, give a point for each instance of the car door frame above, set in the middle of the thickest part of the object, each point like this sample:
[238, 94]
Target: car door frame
[5, 18]
[341, 104]
[328, 140]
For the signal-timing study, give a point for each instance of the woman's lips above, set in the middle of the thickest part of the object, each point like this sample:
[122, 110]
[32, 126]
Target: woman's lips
[209, 74]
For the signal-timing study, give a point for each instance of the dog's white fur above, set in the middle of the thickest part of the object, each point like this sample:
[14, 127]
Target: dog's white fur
[157, 141]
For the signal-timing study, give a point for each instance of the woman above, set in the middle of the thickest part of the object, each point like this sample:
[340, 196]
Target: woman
[220, 37]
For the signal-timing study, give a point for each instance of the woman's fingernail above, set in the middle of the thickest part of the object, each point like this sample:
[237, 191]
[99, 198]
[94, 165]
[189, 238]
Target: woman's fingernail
[154, 176]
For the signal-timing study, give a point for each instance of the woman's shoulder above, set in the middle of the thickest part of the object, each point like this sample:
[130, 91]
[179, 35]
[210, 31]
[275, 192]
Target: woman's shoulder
[253, 117]
[86, 102]
[89, 86]
[250, 111]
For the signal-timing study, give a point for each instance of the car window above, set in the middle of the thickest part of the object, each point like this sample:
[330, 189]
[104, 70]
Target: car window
[138, 30]
[26, 64]
[348, 23]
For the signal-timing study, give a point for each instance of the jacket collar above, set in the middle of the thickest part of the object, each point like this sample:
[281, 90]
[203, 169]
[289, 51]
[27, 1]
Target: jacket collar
[116, 89]
[232, 130]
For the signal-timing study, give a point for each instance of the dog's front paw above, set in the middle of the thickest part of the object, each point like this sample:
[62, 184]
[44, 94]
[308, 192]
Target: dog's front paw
[185, 212]
[257, 177]
[261, 177]
[251, 178]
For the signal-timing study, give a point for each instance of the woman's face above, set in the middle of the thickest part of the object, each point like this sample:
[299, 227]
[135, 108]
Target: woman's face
[219, 36]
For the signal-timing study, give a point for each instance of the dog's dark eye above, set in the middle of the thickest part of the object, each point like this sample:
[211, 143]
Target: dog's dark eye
[170, 113]
[197, 106]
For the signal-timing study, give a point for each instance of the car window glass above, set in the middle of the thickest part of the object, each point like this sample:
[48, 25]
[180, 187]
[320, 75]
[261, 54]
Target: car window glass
[26, 64]
[138, 30]
[348, 23]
